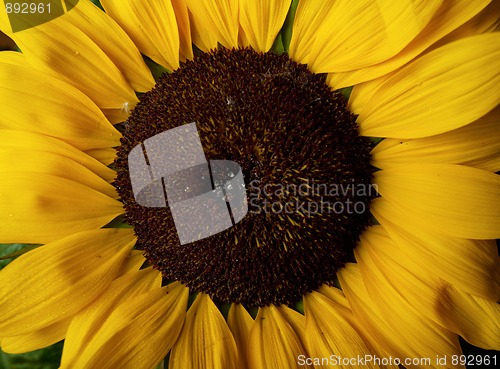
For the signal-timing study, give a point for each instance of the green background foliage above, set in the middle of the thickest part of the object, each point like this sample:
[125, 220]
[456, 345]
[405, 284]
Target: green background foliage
[47, 358]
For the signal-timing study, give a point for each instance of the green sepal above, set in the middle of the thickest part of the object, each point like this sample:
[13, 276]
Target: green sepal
[12, 251]
[253, 312]
[20, 249]
[278, 47]
[299, 306]
[376, 140]
[156, 69]
[224, 309]
[118, 222]
[162, 364]
[98, 4]
[286, 30]
[191, 298]
[346, 92]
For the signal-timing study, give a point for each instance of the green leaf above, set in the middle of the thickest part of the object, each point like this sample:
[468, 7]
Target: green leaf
[47, 358]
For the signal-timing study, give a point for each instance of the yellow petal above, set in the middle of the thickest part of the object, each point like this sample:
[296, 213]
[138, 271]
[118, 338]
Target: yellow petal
[329, 332]
[183, 24]
[451, 15]
[398, 327]
[13, 58]
[39, 208]
[87, 324]
[134, 262]
[474, 318]
[296, 320]
[5, 26]
[471, 265]
[36, 340]
[13, 161]
[160, 318]
[378, 254]
[273, 342]
[368, 314]
[452, 200]
[120, 115]
[336, 295]
[342, 304]
[445, 89]
[139, 332]
[358, 34]
[70, 273]
[59, 111]
[115, 43]
[205, 41]
[205, 341]
[309, 17]
[261, 21]
[484, 22]
[66, 52]
[105, 156]
[218, 17]
[242, 38]
[476, 145]
[152, 26]
[21, 140]
[240, 322]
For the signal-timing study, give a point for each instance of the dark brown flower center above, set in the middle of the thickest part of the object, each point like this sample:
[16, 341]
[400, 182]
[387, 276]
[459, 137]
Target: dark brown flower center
[306, 170]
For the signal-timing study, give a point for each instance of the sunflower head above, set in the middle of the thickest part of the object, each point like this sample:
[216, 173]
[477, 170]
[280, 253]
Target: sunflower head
[369, 224]
[293, 137]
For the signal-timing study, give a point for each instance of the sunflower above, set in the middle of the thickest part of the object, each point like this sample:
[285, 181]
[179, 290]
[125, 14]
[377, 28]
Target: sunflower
[322, 271]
